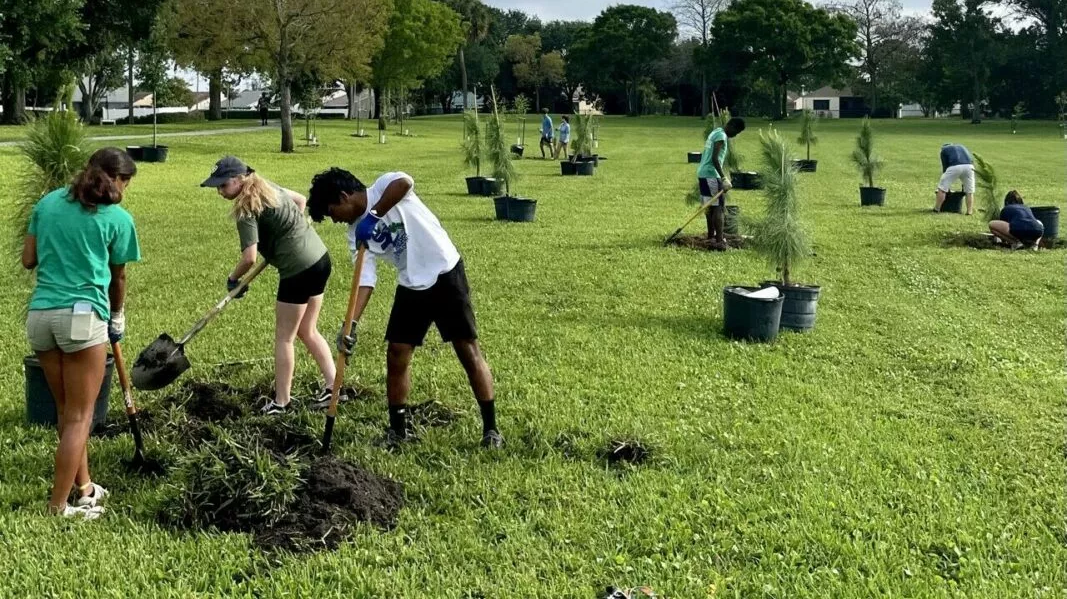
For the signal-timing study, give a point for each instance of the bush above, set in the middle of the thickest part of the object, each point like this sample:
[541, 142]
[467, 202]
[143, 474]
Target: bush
[55, 149]
[167, 118]
[473, 146]
[988, 187]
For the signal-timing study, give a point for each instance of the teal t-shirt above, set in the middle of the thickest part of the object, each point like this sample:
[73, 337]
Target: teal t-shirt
[75, 248]
[707, 169]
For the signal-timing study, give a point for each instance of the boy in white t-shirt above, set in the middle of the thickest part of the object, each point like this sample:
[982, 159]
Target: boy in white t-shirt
[431, 283]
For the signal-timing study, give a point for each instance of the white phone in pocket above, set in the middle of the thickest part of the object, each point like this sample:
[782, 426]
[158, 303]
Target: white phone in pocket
[81, 321]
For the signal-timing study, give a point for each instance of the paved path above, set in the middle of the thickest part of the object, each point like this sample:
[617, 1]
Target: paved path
[196, 133]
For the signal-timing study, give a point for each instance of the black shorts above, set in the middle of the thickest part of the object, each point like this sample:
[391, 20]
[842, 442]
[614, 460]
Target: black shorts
[447, 304]
[546, 139]
[306, 284]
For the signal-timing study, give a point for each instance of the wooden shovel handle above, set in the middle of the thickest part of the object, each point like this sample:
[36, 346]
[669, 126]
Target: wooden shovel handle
[124, 379]
[245, 280]
[350, 314]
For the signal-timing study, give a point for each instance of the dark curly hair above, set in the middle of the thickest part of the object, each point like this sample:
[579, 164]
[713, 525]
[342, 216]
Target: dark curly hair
[95, 184]
[326, 190]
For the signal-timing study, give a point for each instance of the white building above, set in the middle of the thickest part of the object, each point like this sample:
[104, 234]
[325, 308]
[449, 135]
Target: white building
[831, 103]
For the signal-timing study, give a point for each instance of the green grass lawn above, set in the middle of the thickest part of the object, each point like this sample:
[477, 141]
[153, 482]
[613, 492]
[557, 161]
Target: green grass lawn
[911, 446]
[16, 133]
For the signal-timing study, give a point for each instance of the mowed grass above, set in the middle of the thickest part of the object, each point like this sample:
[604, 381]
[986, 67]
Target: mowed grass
[912, 446]
[16, 133]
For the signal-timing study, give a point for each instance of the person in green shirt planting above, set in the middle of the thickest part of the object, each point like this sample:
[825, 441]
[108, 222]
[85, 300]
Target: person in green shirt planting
[79, 240]
[270, 221]
[712, 178]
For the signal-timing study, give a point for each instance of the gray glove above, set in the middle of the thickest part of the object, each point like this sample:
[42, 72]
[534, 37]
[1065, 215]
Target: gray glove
[345, 345]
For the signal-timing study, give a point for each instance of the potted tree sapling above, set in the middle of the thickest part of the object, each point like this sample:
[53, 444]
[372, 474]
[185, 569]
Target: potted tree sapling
[781, 236]
[496, 150]
[153, 76]
[868, 164]
[522, 106]
[987, 186]
[582, 156]
[1017, 113]
[808, 139]
[473, 152]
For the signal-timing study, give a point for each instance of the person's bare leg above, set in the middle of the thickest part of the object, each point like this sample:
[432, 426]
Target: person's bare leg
[82, 374]
[1001, 230]
[938, 200]
[398, 373]
[718, 221]
[287, 321]
[478, 373]
[970, 204]
[317, 346]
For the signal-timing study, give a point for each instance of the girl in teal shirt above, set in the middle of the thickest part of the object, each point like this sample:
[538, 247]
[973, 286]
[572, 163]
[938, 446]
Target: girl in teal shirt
[79, 240]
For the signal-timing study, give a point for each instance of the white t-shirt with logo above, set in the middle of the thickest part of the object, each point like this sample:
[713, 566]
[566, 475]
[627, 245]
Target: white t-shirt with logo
[409, 236]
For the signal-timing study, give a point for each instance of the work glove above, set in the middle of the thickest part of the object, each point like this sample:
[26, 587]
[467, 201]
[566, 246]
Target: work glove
[232, 284]
[726, 184]
[345, 345]
[365, 228]
[116, 326]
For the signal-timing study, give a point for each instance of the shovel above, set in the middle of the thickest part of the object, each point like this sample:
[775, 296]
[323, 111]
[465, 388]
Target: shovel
[339, 378]
[164, 360]
[699, 211]
[139, 463]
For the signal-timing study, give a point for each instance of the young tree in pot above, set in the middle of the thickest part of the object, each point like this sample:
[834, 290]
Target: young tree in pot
[496, 150]
[152, 72]
[988, 187]
[582, 145]
[868, 164]
[473, 151]
[1017, 113]
[807, 137]
[522, 107]
[781, 236]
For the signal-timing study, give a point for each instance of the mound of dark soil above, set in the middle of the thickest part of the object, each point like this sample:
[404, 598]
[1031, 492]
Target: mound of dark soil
[701, 242]
[335, 497]
[214, 402]
[283, 436]
[116, 428]
[625, 452]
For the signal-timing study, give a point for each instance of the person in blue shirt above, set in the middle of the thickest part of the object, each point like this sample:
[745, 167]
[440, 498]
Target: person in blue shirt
[1017, 224]
[546, 132]
[957, 164]
[564, 137]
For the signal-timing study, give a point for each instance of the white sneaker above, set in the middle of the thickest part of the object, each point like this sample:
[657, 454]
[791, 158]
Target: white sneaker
[83, 511]
[93, 499]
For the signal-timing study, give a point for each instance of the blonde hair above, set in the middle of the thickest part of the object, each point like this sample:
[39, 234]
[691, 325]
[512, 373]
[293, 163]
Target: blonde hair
[256, 196]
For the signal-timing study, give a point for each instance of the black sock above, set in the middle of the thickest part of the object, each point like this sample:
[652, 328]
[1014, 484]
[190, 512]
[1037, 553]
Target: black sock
[488, 409]
[398, 420]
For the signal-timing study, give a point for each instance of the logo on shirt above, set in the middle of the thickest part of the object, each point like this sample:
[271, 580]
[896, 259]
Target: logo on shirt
[391, 235]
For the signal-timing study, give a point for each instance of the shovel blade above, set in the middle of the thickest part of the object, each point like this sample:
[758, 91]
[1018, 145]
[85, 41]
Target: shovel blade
[159, 364]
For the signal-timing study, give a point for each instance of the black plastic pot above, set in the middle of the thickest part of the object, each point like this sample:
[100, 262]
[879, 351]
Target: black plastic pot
[730, 220]
[474, 185]
[1050, 217]
[501, 205]
[806, 166]
[491, 187]
[41, 405]
[872, 196]
[154, 154]
[798, 309]
[746, 180]
[750, 318]
[518, 150]
[585, 169]
[694, 157]
[567, 168]
[595, 159]
[953, 202]
[135, 152]
[521, 210]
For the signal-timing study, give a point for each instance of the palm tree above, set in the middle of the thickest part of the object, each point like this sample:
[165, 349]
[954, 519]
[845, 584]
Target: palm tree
[476, 18]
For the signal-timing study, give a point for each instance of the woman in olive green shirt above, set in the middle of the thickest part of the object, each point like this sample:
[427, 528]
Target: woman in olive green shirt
[271, 221]
[79, 239]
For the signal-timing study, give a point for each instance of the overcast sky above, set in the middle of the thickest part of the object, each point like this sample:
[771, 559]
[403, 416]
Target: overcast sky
[552, 10]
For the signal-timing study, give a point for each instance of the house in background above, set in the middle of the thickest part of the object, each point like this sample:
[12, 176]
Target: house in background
[831, 103]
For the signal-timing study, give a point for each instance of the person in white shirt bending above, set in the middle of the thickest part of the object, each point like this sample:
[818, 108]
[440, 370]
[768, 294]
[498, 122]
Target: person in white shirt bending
[431, 284]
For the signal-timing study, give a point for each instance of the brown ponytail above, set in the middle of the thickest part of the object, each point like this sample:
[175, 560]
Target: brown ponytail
[95, 184]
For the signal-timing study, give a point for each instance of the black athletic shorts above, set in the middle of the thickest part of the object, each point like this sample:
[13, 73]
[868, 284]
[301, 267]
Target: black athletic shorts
[1027, 232]
[447, 304]
[306, 284]
[546, 139]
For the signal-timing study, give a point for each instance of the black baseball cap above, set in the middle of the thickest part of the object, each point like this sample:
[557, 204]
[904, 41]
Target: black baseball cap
[226, 169]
